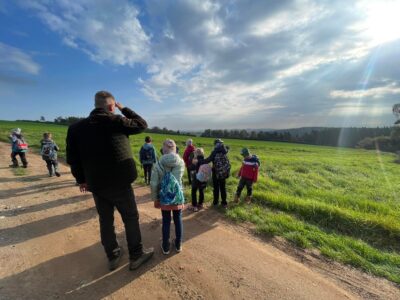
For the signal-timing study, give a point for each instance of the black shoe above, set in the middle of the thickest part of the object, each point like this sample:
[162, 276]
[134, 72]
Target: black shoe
[113, 263]
[58, 174]
[13, 166]
[51, 175]
[178, 246]
[136, 263]
[25, 166]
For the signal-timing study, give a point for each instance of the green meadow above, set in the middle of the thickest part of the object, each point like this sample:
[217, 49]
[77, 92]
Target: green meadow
[343, 202]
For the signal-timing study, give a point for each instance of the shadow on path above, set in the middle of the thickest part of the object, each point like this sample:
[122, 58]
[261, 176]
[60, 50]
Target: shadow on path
[24, 232]
[45, 205]
[83, 274]
[33, 189]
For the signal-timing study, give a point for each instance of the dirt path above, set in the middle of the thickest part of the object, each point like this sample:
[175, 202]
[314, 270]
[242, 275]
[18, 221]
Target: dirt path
[49, 249]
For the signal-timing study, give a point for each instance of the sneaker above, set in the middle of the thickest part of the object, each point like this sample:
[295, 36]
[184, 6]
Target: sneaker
[165, 252]
[51, 175]
[200, 206]
[195, 209]
[113, 263]
[224, 206]
[58, 174]
[248, 199]
[13, 166]
[178, 248]
[146, 255]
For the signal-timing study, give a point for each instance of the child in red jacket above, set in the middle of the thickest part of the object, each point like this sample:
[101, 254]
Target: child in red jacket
[248, 174]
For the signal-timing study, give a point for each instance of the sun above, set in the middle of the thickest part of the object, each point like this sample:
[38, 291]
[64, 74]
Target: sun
[382, 23]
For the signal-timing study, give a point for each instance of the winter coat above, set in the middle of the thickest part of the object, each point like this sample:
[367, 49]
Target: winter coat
[14, 141]
[249, 168]
[50, 142]
[168, 162]
[99, 151]
[186, 155]
[194, 168]
[219, 148]
[142, 154]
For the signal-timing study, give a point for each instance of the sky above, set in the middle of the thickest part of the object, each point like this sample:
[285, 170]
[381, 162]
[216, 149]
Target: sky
[192, 65]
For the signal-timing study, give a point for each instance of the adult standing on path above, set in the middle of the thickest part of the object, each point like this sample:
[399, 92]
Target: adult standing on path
[100, 156]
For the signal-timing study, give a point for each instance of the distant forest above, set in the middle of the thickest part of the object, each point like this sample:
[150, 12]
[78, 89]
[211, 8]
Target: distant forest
[383, 138]
[344, 137]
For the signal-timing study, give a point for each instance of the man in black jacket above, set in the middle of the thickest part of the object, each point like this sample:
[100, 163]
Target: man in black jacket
[100, 156]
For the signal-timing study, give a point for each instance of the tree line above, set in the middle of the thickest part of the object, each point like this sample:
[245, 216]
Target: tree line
[344, 137]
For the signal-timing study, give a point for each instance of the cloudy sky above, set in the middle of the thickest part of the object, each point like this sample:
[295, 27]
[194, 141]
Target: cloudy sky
[204, 64]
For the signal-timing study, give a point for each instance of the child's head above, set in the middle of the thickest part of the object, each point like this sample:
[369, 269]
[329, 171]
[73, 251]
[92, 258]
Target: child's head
[148, 139]
[245, 152]
[47, 135]
[16, 131]
[189, 142]
[169, 146]
[199, 152]
[218, 142]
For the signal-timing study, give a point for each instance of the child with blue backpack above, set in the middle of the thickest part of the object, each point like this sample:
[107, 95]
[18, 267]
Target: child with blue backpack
[49, 154]
[147, 158]
[201, 173]
[167, 193]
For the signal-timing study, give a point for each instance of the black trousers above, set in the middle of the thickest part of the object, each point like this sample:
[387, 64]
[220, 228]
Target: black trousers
[52, 165]
[189, 175]
[124, 200]
[22, 156]
[147, 172]
[244, 182]
[198, 186]
[219, 186]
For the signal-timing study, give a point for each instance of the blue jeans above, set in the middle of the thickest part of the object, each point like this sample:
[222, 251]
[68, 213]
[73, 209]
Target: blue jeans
[166, 224]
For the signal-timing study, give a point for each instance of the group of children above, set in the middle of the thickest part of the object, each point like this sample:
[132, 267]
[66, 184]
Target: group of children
[165, 178]
[48, 150]
[165, 175]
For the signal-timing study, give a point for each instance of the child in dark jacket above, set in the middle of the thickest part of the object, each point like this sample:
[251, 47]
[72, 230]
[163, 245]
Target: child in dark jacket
[18, 147]
[147, 158]
[220, 171]
[197, 185]
[248, 174]
[49, 154]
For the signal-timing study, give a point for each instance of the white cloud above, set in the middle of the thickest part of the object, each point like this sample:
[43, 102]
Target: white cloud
[375, 93]
[106, 30]
[236, 59]
[15, 60]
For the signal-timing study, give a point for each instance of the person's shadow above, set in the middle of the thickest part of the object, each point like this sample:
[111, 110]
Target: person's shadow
[84, 275]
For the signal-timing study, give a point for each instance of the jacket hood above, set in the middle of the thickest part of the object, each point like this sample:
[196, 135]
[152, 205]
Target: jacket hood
[147, 146]
[170, 160]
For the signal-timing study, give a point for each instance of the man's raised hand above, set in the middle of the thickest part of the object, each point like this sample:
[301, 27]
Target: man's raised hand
[119, 105]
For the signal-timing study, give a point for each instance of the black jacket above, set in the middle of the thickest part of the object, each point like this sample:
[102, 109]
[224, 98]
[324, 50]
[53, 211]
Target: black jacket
[98, 149]
[220, 148]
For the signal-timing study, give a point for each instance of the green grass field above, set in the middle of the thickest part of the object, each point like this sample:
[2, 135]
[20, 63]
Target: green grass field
[344, 202]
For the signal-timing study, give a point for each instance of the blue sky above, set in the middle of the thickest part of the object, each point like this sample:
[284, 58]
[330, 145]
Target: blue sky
[204, 64]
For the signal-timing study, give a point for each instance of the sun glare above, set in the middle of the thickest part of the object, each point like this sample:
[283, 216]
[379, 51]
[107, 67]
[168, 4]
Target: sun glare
[382, 20]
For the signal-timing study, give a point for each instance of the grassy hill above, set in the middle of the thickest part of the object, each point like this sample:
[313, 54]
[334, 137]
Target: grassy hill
[344, 202]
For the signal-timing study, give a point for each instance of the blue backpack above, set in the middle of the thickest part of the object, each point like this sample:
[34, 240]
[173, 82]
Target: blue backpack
[171, 191]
